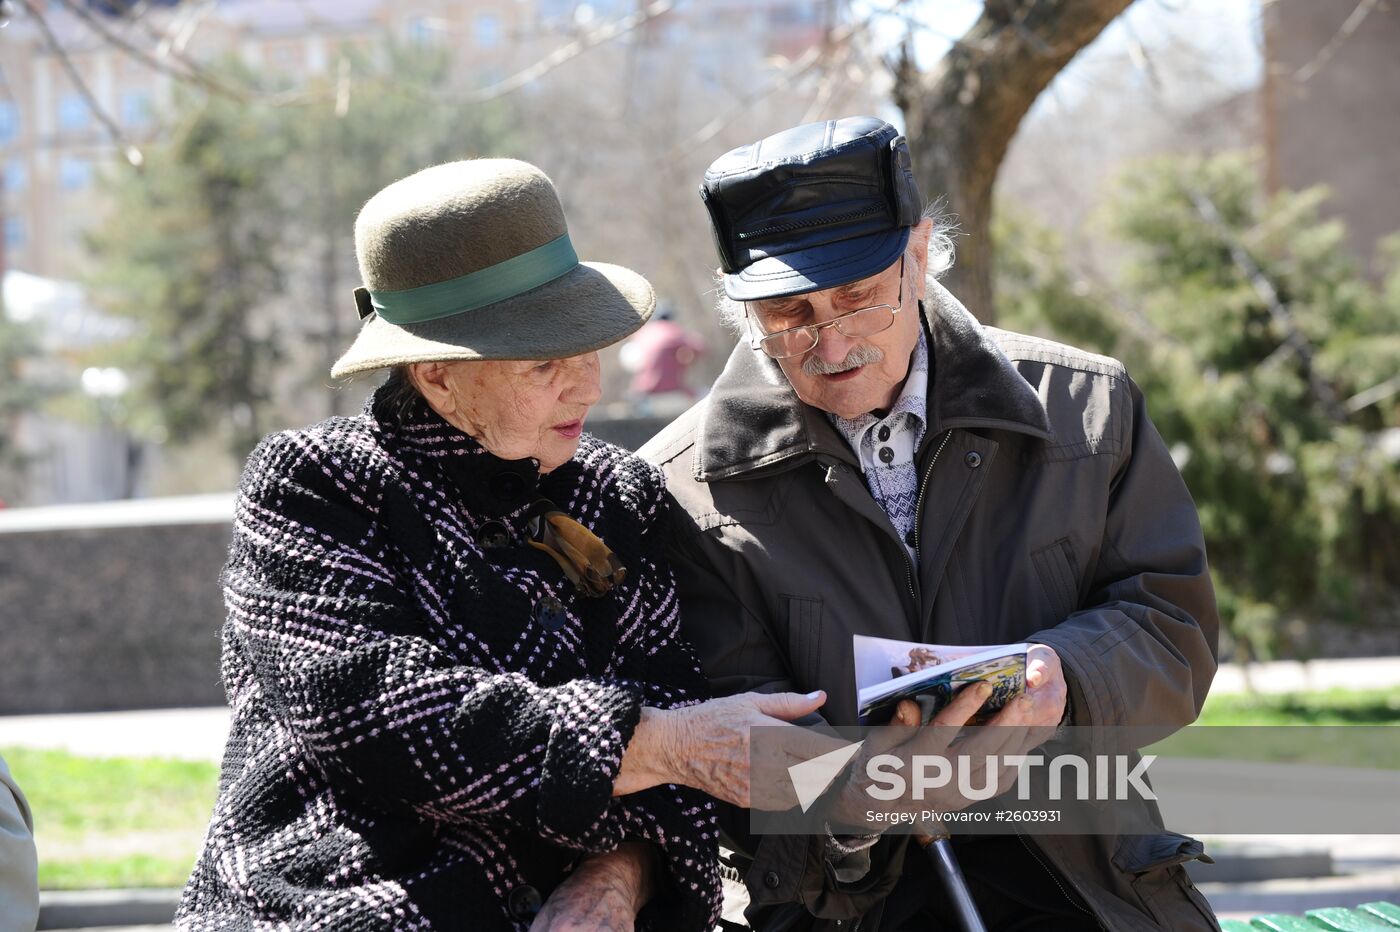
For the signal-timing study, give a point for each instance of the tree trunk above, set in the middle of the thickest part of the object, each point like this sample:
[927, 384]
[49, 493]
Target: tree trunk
[962, 114]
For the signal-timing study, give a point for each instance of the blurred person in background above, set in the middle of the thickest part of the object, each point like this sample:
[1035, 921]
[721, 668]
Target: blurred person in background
[19, 862]
[659, 358]
[460, 697]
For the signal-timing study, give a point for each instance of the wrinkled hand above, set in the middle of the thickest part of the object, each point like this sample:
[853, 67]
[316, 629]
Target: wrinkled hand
[1046, 690]
[1021, 725]
[904, 738]
[707, 746]
[604, 893]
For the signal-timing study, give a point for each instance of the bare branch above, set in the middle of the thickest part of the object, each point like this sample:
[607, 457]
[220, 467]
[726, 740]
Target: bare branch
[799, 66]
[1375, 393]
[133, 154]
[1329, 49]
[140, 54]
[571, 50]
[1278, 310]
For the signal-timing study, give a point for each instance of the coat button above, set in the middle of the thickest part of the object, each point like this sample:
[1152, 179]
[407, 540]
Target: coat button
[771, 880]
[492, 536]
[550, 614]
[524, 902]
[973, 459]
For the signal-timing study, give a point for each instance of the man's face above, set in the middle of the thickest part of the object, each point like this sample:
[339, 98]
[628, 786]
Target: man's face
[848, 376]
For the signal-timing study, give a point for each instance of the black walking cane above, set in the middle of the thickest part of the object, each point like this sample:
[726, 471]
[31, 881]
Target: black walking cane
[938, 845]
[939, 848]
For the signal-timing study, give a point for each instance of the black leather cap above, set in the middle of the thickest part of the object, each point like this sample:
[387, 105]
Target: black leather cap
[812, 207]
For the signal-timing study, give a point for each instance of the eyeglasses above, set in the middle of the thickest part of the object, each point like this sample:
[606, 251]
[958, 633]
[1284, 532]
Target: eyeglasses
[865, 322]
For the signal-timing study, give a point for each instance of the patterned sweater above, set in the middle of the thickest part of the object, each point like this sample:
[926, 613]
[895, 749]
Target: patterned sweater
[426, 719]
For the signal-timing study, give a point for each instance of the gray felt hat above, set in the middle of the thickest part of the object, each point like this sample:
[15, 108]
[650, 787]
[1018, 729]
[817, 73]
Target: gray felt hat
[472, 260]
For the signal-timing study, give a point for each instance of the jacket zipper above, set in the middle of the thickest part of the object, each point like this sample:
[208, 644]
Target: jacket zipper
[909, 567]
[1030, 849]
[918, 512]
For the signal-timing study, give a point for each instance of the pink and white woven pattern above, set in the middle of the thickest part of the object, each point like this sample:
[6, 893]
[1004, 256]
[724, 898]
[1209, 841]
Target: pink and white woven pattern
[427, 719]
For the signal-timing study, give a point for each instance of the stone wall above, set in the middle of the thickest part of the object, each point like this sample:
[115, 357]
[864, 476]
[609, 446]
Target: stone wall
[121, 613]
[117, 605]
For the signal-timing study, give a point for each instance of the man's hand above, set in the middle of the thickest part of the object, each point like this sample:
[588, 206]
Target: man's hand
[906, 739]
[1021, 725]
[1046, 690]
[603, 894]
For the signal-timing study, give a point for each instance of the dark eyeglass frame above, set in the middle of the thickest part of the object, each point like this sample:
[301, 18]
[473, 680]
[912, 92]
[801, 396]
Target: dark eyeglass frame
[771, 343]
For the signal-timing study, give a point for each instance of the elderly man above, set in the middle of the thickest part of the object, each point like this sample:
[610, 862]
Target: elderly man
[873, 461]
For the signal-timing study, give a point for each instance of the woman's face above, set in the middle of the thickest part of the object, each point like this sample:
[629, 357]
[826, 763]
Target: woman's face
[515, 408]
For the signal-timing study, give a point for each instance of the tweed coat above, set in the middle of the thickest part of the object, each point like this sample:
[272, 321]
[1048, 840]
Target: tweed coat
[427, 720]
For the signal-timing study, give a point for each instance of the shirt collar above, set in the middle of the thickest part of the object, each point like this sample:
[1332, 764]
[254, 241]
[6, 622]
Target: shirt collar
[912, 401]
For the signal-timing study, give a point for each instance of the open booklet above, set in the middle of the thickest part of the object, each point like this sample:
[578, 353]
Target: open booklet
[888, 671]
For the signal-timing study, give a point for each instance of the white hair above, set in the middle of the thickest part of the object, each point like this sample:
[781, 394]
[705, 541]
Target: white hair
[938, 262]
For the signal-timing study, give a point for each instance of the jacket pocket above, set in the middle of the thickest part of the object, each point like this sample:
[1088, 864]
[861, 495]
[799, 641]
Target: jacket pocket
[804, 630]
[1058, 570]
[1154, 864]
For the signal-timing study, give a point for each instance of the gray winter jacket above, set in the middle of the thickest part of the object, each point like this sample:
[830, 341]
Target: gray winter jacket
[1050, 511]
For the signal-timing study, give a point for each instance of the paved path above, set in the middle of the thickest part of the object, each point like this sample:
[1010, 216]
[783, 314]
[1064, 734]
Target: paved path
[1286, 676]
[187, 734]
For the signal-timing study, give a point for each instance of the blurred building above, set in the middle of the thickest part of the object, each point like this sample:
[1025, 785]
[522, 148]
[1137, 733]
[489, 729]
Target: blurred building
[84, 455]
[623, 103]
[1332, 108]
[53, 144]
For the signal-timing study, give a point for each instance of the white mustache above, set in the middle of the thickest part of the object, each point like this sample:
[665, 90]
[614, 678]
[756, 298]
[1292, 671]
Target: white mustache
[857, 357]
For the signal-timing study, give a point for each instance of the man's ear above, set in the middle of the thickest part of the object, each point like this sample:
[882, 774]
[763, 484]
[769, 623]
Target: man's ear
[752, 330]
[918, 245]
[432, 381]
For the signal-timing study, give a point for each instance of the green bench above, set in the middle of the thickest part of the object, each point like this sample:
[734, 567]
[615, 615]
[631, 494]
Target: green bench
[1368, 917]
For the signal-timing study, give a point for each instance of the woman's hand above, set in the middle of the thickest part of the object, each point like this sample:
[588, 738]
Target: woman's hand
[604, 893]
[706, 746]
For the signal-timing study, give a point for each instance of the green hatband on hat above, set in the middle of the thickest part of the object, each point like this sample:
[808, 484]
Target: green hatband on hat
[472, 260]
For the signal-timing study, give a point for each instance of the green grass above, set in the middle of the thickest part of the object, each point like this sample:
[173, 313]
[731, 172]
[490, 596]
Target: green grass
[114, 821]
[1318, 713]
[1330, 707]
[137, 870]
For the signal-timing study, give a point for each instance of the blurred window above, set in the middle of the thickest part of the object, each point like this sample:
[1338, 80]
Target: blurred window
[74, 173]
[9, 121]
[73, 112]
[285, 55]
[16, 175]
[136, 108]
[425, 30]
[795, 14]
[556, 9]
[487, 29]
[15, 234]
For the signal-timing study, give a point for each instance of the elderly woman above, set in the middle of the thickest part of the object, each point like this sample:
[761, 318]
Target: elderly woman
[460, 699]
